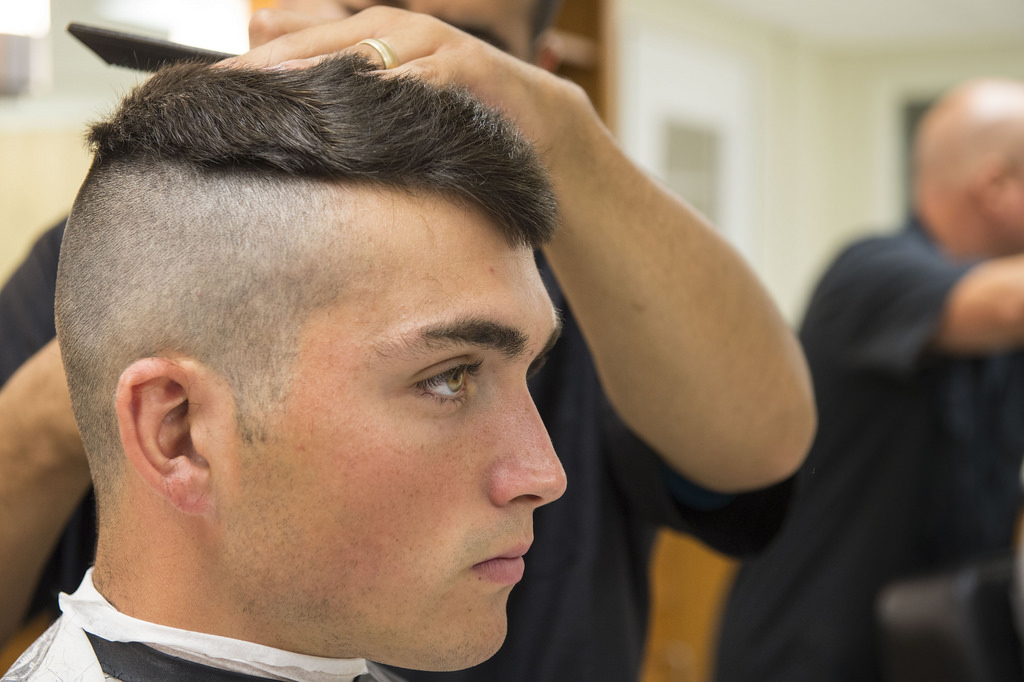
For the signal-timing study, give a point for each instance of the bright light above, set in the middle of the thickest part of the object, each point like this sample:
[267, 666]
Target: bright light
[25, 17]
[222, 25]
[214, 24]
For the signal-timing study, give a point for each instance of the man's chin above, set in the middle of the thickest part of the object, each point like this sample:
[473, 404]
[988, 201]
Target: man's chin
[468, 649]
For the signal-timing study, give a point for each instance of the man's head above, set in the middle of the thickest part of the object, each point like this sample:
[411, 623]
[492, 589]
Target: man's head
[514, 26]
[969, 169]
[297, 310]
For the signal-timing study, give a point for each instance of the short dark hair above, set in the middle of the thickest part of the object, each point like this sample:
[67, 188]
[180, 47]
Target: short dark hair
[338, 121]
[202, 227]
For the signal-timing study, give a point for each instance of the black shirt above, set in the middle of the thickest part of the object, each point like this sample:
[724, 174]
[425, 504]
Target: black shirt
[915, 467]
[581, 611]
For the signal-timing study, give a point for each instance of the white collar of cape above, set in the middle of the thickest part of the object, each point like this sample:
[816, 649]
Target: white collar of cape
[88, 610]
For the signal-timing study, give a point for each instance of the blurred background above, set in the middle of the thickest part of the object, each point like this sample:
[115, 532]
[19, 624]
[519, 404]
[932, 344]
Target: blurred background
[787, 122]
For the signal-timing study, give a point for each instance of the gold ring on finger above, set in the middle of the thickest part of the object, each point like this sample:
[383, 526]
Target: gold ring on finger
[384, 49]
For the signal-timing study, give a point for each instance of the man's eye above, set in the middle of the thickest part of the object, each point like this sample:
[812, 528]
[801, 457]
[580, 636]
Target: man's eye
[454, 381]
[451, 384]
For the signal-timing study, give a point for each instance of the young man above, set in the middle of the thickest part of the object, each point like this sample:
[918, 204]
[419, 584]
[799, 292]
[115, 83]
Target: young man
[675, 388]
[914, 340]
[297, 312]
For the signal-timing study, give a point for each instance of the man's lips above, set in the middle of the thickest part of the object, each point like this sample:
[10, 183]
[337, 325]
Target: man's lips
[504, 569]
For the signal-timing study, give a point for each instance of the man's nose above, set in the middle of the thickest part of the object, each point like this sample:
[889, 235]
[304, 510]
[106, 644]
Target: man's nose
[528, 470]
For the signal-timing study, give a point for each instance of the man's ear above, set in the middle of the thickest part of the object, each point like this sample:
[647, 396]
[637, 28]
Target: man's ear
[164, 434]
[990, 187]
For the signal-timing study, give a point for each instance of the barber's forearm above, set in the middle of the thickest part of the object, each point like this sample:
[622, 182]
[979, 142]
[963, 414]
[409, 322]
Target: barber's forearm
[984, 313]
[691, 350]
[43, 477]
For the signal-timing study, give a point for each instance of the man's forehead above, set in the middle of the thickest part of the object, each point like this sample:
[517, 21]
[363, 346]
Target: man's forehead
[380, 220]
[420, 247]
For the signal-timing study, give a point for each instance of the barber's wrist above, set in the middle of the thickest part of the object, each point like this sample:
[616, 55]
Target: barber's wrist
[562, 122]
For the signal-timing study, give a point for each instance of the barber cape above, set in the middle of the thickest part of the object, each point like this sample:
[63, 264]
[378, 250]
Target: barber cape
[93, 642]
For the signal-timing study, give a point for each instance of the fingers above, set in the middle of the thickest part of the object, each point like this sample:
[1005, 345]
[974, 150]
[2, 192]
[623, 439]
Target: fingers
[268, 24]
[424, 47]
[412, 36]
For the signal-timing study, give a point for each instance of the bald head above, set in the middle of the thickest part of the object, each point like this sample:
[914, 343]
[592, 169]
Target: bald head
[968, 126]
[968, 145]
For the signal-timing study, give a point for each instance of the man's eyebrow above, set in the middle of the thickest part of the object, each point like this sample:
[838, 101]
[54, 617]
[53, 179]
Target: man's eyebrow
[511, 342]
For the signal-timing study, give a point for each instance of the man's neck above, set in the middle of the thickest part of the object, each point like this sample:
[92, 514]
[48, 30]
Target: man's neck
[88, 609]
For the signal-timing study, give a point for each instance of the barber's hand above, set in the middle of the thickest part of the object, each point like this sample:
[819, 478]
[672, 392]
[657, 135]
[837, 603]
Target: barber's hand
[546, 108]
[269, 24]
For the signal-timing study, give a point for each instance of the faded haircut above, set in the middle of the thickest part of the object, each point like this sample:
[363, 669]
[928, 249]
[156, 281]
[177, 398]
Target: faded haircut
[203, 227]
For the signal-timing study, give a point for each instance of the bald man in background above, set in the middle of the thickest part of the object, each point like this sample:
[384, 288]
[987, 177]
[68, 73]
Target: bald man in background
[914, 342]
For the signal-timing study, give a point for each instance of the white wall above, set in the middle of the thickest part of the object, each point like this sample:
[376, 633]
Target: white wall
[825, 139]
[41, 135]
